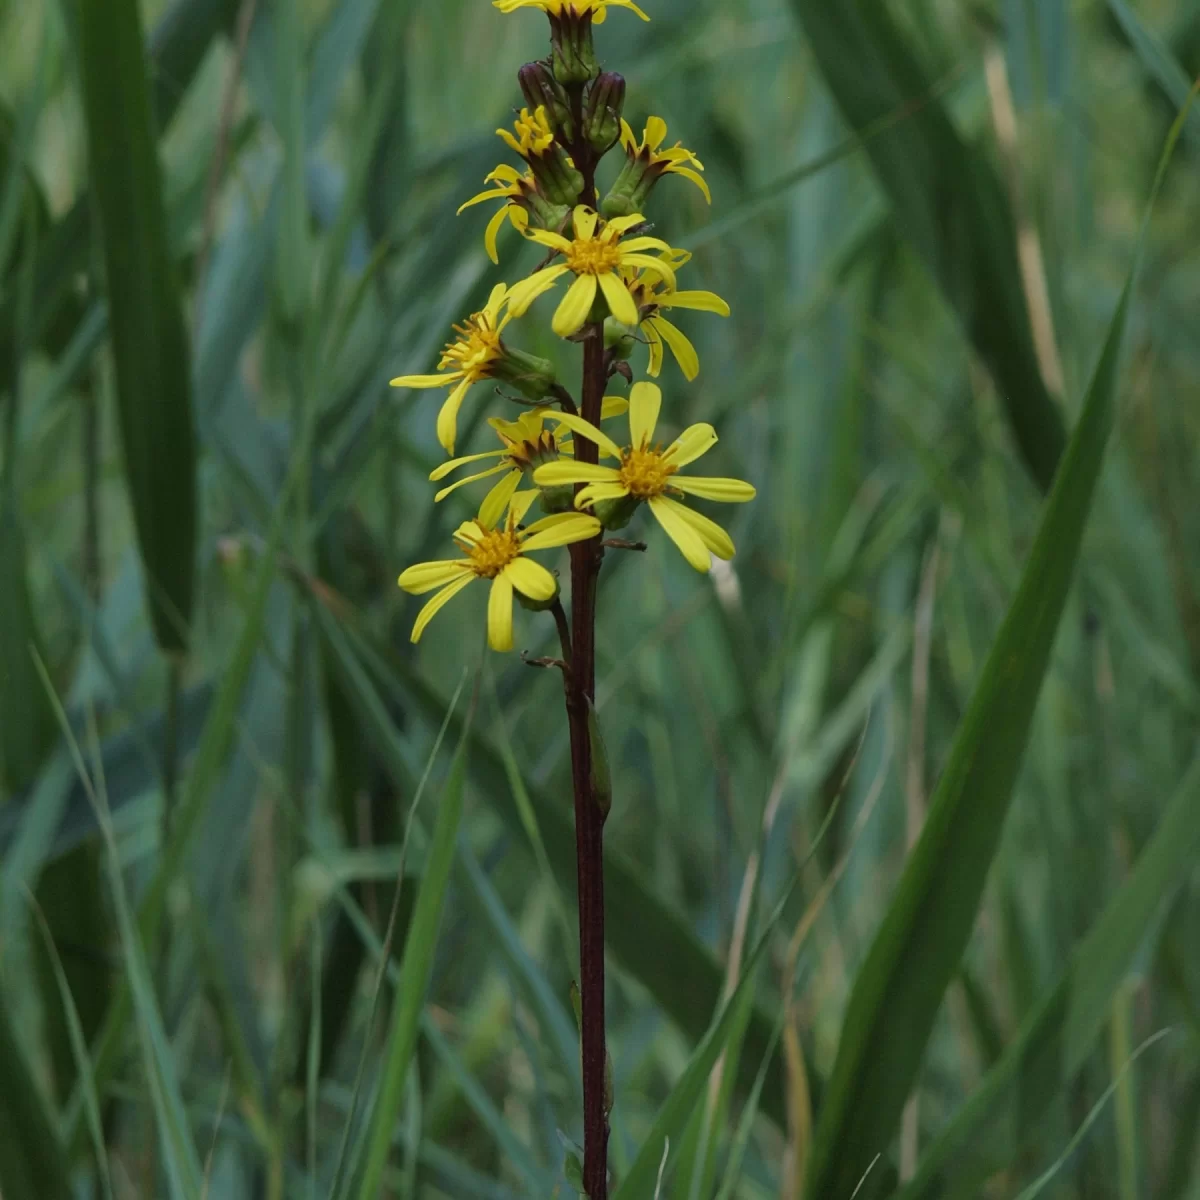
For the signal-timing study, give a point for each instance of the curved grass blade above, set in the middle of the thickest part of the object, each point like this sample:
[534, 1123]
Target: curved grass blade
[149, 343]
[946, 200]
[415, 970]
[921, 941]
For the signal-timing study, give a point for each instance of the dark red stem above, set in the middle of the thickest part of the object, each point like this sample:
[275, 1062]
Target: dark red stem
[580, 685]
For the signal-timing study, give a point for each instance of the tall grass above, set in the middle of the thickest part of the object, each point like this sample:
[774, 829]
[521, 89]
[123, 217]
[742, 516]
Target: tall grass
[901, 885]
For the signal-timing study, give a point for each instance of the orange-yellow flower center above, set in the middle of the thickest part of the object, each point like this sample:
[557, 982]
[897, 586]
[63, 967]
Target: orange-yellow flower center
[645, 472]
[493, 552]
[593, 256]
[478, 346]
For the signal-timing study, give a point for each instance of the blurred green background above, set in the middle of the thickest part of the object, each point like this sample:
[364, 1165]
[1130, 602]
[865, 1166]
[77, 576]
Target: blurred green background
[923, 216]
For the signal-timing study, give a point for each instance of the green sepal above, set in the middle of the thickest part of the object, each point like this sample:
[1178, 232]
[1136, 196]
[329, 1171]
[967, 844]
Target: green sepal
[616, 514]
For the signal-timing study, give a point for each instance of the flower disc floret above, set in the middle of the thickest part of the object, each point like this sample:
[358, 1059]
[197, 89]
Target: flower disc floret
[494, 550]
[647, 473]
[602, 260]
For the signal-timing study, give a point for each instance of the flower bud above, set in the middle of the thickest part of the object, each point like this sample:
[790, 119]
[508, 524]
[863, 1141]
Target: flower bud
[602, 121]
[542, 90]
[533, 377]
[572, 51]
[532, 605]
[619, 339]
[616, 514]
[631, 190]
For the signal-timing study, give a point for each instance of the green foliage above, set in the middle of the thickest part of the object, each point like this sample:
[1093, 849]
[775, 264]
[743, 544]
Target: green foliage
[986, 698]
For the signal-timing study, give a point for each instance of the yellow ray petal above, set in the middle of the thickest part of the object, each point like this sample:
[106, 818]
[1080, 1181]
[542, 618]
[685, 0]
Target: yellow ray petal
[620, 302]
[531, 579]
[491, 233]
[702, 301]
[496, 501]
[424, 577]
[730, 491]
[694, 441]
[655, 345]
[470, 479]
[556, 474]
[613, 406]
[620, 224]
[584, 219]
[561, 529]
[656, 131]
[696, 178]
[691, 544]
[711, 534]
[547, 237]
[595, 492]
[454, 463]
[573, 309]
[499, 618]
[519, 505]
[427, 381]
[681, 347]
[447, 422]
[586, 429]
[522, 295]
[435, 605]
[645, 400]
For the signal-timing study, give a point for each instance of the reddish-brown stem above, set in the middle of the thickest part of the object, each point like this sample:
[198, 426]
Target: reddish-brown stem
[580, 686]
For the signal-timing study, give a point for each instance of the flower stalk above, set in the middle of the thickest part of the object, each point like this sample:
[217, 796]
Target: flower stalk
[619, 279]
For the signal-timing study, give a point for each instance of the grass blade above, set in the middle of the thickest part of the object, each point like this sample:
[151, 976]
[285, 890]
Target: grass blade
[946, 200]
[31, 1160]
[415, 970]
[1059, 1034]
[149, 343]
[920, 943]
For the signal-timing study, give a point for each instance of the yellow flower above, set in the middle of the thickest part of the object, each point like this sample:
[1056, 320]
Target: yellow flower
[558, 8]
[533, 134]
[525, 443]
[478, 354]
[597, 257]
[652, 299]
[648, 472]
[675, 160]
[497, 550]
[512, 188]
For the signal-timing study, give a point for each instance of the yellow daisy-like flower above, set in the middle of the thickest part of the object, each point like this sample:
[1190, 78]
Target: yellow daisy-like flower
[598, 257]
[512, 187]
[675, 160]
[525, 443]
[653, 300]
[497, 550]
[569, 8]
[648, 472]
[478, 353]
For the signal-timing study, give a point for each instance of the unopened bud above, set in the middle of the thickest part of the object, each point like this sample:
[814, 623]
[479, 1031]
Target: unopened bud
[532, 376]
[619, 340]
[572, 51]
[602, 121]
[542, 90]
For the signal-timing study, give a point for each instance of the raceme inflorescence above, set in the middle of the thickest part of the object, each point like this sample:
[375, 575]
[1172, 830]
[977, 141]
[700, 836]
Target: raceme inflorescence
[613, 279]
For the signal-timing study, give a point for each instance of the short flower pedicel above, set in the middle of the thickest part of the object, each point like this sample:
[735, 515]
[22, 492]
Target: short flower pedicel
[621, 279]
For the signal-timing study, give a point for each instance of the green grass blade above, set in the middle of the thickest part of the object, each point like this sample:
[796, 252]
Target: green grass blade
[1160, 63]
[26, 720]
[31, 1160]
[79, 1049]
[150, 346]
[1059, 1034]
[922, 938]
[415, 970]
[946, 200]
